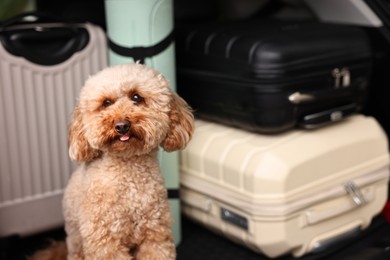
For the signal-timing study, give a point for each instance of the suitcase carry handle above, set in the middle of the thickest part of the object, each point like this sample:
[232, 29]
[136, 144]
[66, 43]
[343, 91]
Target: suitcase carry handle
[333, 237]
[324, 117]
[42, 43]
[328, 115]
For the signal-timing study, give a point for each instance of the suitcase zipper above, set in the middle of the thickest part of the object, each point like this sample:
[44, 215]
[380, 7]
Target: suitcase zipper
[273, 80]
[342, 77]
[260, 209]
[356, 195]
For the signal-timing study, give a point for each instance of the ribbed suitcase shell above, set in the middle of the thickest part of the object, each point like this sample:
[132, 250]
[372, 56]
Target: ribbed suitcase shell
[36, 102]
[287, 193]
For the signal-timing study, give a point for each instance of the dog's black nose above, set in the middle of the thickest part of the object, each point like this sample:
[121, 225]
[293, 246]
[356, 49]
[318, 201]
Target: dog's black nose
[122, 126]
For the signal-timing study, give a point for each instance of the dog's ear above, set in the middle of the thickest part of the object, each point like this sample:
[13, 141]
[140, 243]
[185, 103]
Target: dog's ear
[181, 125]
[79, 148]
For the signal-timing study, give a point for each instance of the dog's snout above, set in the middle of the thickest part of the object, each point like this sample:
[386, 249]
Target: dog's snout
[122, 126]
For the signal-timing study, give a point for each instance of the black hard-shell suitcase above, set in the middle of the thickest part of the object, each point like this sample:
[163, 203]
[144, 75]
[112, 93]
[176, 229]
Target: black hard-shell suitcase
[269, 76]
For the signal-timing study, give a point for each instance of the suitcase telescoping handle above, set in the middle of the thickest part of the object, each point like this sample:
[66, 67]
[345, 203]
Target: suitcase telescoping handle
[42, 39]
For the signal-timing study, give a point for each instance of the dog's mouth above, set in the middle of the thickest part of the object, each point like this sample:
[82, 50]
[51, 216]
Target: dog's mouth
[124, 138]
[128, 137]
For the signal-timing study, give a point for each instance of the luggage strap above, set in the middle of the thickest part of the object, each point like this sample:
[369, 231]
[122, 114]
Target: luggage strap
[140, 53]
[173, 193]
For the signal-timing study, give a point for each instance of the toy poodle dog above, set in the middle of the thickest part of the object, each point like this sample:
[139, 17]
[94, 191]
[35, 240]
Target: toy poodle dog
[115, 205]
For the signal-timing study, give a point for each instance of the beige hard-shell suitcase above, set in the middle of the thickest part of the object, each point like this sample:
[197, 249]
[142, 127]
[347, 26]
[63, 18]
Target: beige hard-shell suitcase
[292, 193]
[42, 69]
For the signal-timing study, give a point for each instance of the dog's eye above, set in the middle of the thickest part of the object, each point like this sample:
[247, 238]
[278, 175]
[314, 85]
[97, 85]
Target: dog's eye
[107, 103]
[137, 98]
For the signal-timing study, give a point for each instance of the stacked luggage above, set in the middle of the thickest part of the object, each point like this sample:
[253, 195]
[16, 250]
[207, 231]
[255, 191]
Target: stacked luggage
[282, 160]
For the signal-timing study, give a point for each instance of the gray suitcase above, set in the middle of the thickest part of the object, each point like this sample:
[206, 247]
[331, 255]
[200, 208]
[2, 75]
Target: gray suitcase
[42, 68]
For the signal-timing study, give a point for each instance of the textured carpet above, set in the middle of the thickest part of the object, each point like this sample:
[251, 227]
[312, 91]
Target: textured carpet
[199, 243]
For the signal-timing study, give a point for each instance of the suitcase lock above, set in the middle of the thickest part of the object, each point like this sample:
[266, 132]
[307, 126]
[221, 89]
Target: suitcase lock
[356, 195]
[341, 77]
